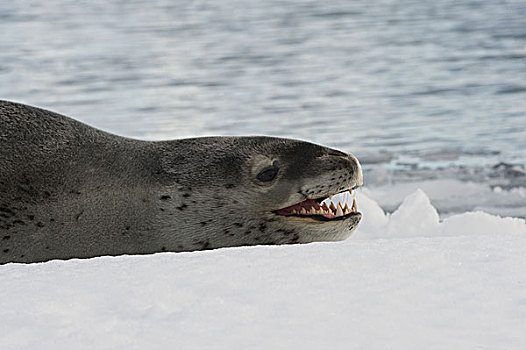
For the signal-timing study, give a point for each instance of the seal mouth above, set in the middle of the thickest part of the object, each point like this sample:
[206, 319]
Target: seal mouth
[339, 206]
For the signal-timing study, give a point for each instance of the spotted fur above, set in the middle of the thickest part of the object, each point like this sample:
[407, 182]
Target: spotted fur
[68, 190]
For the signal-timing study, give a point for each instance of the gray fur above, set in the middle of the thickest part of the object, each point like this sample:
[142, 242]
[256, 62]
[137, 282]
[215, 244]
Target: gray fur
[68, 190]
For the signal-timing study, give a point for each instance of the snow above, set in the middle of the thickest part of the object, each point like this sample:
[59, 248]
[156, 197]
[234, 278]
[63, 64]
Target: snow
[404, 280]
[417, 217]
[452, 196]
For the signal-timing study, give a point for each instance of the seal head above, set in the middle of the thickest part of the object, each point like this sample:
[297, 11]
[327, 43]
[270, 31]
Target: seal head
[261, 190]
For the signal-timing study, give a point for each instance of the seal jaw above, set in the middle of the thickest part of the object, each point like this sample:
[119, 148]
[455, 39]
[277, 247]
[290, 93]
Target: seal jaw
[324, 209]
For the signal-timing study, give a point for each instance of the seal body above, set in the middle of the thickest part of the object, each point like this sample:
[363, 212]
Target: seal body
[68, 190]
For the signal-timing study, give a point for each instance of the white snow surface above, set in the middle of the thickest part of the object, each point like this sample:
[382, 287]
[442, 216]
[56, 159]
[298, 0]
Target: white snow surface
[405, 280]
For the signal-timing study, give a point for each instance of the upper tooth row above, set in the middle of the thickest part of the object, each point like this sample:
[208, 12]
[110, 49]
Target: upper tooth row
[350, 192]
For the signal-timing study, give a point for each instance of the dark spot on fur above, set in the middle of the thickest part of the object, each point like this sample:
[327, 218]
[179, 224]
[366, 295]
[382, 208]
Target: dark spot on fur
[186, 195]
[165, 197]
[26, 188]
[203, 223]
[51, 220]
[127, 228]
[6, 250]
[238, 224]
[31, 217]
[7, 210]
[19, 222]
[286, 232]
[295, 238]
[182, 207]
[226, 231]
[203, 244]
[40, 224]
[162, 209]
[163, 249]
[247, 232]
[230, 186]
[47, 247]
[180, 246]
[47, 194]
[262, 227]
[5, 238]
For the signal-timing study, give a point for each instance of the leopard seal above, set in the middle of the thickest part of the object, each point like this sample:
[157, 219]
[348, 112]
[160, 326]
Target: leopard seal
[68, 190]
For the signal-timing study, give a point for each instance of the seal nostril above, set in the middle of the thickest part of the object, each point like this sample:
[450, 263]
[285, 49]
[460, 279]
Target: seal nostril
[336, 153]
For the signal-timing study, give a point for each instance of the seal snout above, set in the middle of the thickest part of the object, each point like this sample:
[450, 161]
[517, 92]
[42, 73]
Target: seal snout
[348, 162]
[329, 194]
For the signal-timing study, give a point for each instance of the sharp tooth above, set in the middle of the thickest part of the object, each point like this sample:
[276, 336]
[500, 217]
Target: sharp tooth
[303, 211]
[311, 211]
[330, 196]
[320, 211]
[326, 211]
[324, 206]
[346, 209]
[354, 207]
[294, 211]
[332, 207]
[339, 210]
[350, 191]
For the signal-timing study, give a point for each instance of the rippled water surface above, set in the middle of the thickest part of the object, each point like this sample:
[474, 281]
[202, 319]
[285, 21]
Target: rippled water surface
[407, 84]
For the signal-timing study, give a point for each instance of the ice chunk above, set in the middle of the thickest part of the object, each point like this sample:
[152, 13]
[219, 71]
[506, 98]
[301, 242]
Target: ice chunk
[415, 217]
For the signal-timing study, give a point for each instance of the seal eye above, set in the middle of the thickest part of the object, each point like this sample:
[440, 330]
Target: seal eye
[269, 174]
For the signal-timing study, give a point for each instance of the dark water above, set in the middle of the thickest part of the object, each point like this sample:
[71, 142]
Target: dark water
[407, 85]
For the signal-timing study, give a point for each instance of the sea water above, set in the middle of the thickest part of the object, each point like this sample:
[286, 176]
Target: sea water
[418, 90]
